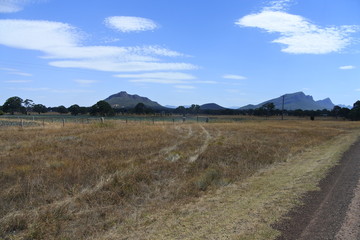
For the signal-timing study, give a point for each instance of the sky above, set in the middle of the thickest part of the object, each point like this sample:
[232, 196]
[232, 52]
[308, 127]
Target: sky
[179, 52]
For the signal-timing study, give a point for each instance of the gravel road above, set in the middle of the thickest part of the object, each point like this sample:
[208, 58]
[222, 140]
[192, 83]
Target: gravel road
[334, 211]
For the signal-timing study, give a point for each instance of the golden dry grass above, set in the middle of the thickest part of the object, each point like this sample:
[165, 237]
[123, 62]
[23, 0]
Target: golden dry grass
[82, 181]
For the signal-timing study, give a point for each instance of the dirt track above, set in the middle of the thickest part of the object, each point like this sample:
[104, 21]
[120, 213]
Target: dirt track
[334, 211]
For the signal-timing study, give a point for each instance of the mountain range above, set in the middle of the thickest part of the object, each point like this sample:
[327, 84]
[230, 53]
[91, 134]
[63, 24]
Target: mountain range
[292, 101]
[295, 101]
[125, 100]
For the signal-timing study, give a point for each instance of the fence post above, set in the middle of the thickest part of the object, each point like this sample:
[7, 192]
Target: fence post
[102, 120]
[63, 122]
[22, 123]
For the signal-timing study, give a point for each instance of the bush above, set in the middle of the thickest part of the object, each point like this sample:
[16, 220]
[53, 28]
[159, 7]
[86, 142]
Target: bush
[209, 176]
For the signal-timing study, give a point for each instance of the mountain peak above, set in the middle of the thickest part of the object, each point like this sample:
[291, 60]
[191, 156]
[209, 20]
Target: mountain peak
[297, 100]
[125, 100]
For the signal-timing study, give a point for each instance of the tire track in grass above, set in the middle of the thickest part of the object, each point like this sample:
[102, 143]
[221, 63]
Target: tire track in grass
[203, 147]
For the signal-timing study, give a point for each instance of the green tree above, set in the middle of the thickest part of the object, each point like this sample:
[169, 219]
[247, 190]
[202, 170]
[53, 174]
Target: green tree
[83, 110]
[269, 108]
[336, 111]
[354, 113]
[344, 112]
[140, 108]
[194, 109]
[39, 108]
[74, 109]
[29, 104]
[61, 109]
[12, 105]
[102, 108]
[180, 109]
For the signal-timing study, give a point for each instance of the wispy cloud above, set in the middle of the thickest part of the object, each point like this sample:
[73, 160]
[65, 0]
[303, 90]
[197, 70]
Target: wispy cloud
[17, 81]
[297, 34]
[164, 78]
[154, 80]
[235, 77]
[159, 75]
[130, 24]
[15, 72]
[34, 89]
[114, 66]
[62, 43]
[185, 87]
[278, 5]
[51, 90]
[85, 81]
[12, 6]
[348, 67]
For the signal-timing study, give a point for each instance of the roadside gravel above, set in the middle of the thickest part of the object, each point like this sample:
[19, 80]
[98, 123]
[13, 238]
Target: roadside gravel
[334, 211]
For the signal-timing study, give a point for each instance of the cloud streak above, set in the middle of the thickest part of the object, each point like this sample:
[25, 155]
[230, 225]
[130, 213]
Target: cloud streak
[159, 75]
[13, 6]
[163, 78]
[62, 44]
[235, 77]
[16, 72]
[348, 67]
[297, 34]
[130, 24]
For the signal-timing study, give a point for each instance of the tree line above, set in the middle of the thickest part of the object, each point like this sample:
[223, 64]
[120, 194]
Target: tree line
[102, 108]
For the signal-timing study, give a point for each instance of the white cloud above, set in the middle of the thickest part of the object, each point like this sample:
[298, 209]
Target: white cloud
[114, 66]
[161, 81]
[46, 89]
[85, 81]
[34, 89]
[185, 87]
[205, 82]
[298, 34]
[12, 6]
[349, 67]
[38, 35]
[63, 43]
[71, 91]
[159, 75]
[278, 5]
[21, 74]
[17, 81]
[16, 72]
[130, 24]
[163, 78]
[235, 77]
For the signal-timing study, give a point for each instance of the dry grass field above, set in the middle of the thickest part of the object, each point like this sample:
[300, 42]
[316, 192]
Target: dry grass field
[136, 180]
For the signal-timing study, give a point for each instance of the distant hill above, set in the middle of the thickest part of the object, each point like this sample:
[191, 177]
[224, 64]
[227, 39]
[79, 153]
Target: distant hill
[295, 101]
[211, 106]
[125, 100]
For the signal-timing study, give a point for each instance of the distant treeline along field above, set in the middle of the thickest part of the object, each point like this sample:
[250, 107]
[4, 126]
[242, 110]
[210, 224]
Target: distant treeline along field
[16, 105]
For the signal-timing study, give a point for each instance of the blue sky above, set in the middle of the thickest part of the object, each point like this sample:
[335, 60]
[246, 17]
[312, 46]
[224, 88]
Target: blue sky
[179, 52]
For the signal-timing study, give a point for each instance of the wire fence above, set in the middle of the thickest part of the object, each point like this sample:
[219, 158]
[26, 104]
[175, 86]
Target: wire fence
[39, 120]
